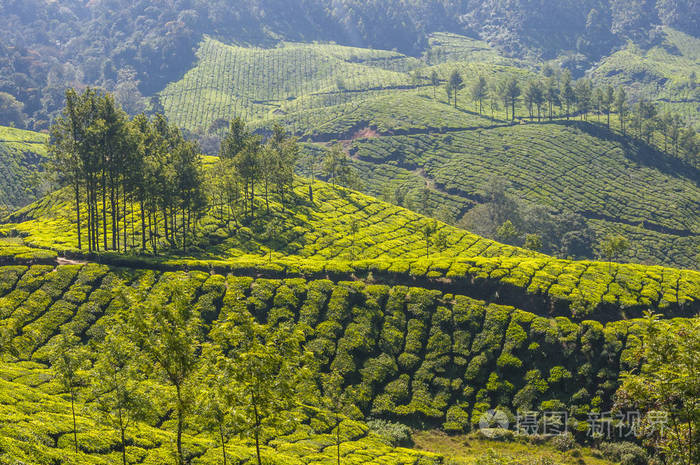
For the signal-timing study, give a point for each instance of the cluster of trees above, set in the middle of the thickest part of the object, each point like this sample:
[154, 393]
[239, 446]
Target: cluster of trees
[138, 184]
[539, 228]
[244, 378]
[556, 94]
[120, 169]
[668, 382]
[246, 162]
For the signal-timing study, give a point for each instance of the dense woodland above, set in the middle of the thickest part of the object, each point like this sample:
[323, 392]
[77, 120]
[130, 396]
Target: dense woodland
[129, 46]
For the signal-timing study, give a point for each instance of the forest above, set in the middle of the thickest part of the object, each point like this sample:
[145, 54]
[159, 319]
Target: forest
[48, 46]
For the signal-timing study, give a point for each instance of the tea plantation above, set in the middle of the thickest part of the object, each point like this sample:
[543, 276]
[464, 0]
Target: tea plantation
[572, 168]
[403, 133]
[409, 354]
[425, 335]
[21, 153]
[345, 233]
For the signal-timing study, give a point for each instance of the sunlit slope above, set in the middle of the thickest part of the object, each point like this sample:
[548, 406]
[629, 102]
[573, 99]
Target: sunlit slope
[416, 355]
[37, 428]
[21, 153]
[257, 83]
[616, 184]
[343, 233]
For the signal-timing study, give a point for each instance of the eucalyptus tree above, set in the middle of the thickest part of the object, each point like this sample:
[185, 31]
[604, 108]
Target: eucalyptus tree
[583, 97]
[456, 84]
[266, 367]
[68, 361]
[551, 95]
[435, 81]
[168, 331]
[568, 94]
[534, 97]
[621, 107]
[512, 93]
[479, 91]
[116, 382]
[336, 166]
[608, 102]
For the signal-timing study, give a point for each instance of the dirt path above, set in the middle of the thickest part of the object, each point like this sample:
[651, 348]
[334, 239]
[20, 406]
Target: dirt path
[67, 261]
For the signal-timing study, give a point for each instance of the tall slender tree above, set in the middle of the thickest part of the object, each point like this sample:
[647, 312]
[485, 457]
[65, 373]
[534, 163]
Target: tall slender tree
[621, 107]
[168, 329]
[456, 83]
[479, 91]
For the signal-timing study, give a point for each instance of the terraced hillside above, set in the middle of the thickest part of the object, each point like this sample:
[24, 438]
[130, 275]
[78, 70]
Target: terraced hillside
[616, 185]
[343, 233]
[21, 153]
[427, 341]
[415, 355]
[404, 136]
[37, 429]
[258, 83]
[661, 73]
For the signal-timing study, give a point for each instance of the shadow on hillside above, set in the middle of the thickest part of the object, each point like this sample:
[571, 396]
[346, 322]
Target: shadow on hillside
[637, 150]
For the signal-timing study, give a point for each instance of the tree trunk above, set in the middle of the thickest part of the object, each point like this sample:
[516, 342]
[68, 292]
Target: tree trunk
[257, 432]
[143, 226]
[112, 204]
[126, 229]
[123, 436]
[180, 424]
[75, 429]
[104, 211]
[77, 213]
[184, 232]
[223, 442]
[337, 440]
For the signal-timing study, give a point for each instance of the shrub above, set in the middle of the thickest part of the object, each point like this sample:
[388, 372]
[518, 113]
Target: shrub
[627, 453]
[395, 434]
[563, 442]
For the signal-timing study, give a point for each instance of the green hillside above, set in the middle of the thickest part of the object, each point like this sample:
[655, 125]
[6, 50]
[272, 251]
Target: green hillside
[405, 137]
[21, 154]
[317, 239]
[38, 430]
[662, 72]
[411, 354]
[431, 342]
[257, 83]
[563, 166]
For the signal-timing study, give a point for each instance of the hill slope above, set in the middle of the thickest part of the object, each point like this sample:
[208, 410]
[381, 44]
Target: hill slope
[431, 342]
[21, 153]
[439, 155]
[318, 239]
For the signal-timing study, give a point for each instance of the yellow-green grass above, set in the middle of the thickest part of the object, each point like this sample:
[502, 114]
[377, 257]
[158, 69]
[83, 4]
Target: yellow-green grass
[472, 450]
